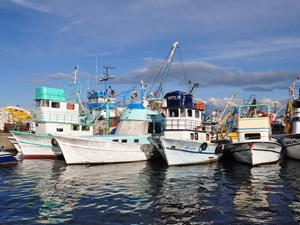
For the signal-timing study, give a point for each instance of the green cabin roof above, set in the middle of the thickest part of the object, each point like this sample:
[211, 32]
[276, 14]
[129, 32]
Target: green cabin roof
[48, 93]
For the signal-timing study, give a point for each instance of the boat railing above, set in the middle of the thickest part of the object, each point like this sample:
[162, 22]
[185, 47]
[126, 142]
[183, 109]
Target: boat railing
[61, 117]
[183, 124]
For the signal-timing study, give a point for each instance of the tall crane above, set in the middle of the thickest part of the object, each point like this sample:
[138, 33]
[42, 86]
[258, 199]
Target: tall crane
[168, 67]
[220, 117]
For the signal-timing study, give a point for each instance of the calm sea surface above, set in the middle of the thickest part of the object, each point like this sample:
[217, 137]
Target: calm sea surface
[227, 192]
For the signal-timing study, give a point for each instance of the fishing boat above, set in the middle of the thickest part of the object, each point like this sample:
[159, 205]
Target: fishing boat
[132, 139]
[187, 138]
[103, 103]
[255, 144]
[291, 141]
[57, 111]
[129, 143]
[7, 159]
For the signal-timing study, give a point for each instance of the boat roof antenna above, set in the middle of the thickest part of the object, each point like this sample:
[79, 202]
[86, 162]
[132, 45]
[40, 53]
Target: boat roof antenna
[106, 77]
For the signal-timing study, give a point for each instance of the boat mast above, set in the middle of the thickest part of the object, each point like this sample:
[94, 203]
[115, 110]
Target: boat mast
[105, 78]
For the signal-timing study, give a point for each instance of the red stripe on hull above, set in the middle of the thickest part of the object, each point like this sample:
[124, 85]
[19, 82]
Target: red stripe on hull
[40, 156]
[9, 163]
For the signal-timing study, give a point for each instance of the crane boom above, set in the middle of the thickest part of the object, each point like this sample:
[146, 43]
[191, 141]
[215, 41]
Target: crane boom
[220, 117]
[168, 67]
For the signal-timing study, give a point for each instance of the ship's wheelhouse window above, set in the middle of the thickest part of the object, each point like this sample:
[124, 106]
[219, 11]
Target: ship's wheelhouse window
[150, 128]
[37, 103]
[173, 113]
[45, 103]
[157, 127]
[70, 106]
[55, 105]
[196, 136]
[190, 113]
[197, 114]
[85, 128]
[75, 127]
[192, 136]
[251, 136]
[182, 113]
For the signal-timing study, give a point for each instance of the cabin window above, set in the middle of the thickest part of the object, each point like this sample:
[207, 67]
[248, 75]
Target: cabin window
[136, 140]
[190, 113]
[173, 113]
[150, 128]
[55, 105]
[75, 127]
[115, 140]
[45, 103]
[197, 114]
[182, 113]
[252, 136]
[192, 136]
[59, 129]
[157, 127]
[196, 136]
[124, 140]
[85, 128]
[37, 103]
[70, 106]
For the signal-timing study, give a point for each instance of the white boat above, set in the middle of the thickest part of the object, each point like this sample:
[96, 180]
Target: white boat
[291, 141]
[255, 144]
[56, 111]
[187, 139]
[129, 143]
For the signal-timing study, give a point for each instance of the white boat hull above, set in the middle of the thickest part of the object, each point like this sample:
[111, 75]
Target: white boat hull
[291, 145]
[36, 146]
[95, 150]
[260, 153]
[181, 152]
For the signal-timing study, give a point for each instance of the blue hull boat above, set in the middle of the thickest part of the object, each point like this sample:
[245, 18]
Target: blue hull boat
[7, 159]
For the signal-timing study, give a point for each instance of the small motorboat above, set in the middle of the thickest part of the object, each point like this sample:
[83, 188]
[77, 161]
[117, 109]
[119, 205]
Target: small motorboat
[7, 159]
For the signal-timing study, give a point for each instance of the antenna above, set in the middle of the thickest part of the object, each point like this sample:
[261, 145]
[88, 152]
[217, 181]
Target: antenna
[75, 75]
[106, 77]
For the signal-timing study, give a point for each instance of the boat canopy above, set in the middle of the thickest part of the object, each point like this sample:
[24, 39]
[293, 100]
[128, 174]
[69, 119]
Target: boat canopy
[179, 99]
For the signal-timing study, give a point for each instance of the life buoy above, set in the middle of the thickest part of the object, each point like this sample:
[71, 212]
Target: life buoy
[54, 142]
[203, 146]
[271, 118]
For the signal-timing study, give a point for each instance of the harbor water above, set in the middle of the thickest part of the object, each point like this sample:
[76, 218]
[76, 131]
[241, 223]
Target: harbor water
[226, 192]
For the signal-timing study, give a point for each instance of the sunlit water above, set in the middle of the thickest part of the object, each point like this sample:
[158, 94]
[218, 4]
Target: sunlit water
[227, 192]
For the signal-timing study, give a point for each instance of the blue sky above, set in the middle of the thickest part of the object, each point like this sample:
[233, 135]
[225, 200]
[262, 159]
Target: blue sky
[247, 47]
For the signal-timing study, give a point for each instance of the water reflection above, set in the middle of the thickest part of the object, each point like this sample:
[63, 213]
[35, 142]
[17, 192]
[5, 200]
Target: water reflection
[97, 193]
[28, 187]
[49, 192]
[290, 174]
[184, 197]
[252, 198]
